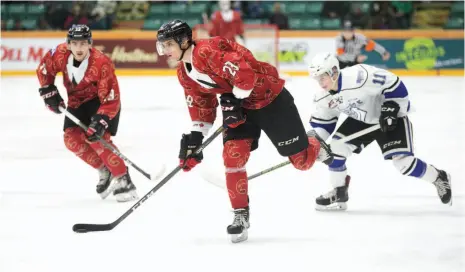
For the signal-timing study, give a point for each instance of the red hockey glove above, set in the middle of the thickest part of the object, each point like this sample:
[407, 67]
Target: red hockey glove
[189, 143]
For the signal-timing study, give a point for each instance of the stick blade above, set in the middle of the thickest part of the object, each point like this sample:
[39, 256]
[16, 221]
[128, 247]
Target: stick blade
[84, 228]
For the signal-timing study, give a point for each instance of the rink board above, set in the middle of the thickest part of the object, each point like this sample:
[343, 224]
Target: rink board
[413, 52]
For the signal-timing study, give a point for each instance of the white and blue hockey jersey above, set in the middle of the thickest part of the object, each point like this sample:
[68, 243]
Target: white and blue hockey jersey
[362, 89]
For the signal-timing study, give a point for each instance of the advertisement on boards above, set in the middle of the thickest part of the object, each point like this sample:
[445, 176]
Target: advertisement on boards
[18, 54]
[420, 54]
[295, 53]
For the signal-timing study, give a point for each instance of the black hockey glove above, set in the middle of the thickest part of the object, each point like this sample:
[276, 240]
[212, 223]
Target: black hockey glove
[189, 144]
[98, 125]
[388, 118]
[325, 155]
[52, 98]
[233, 113]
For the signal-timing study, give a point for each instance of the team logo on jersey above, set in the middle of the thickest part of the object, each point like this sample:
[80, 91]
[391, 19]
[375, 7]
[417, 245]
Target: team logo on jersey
[334, 103]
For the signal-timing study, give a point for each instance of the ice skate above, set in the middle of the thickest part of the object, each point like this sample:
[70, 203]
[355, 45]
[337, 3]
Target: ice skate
[443, 186]
[106, 184]
[238, 229]
[125, 189]
[334, 200]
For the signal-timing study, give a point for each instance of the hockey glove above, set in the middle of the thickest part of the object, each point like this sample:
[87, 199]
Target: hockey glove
[233, 113]
[98, 125]
[189, 143]
[52, 98]
[388, 118]
[325, 155]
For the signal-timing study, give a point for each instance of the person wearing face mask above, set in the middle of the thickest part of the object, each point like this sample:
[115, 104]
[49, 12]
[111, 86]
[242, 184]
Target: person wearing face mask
[94, 98]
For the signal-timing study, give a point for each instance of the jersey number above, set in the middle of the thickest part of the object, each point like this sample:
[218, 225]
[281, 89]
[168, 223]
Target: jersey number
[189, 101]
[232, 69]
[379, 79]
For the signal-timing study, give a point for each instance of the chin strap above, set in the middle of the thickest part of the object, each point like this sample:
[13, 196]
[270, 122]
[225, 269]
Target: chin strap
[184, 50]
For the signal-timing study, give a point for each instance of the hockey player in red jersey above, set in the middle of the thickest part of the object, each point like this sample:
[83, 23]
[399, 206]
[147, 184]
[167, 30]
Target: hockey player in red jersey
[253, 98]
[227, 23]
[93, 97]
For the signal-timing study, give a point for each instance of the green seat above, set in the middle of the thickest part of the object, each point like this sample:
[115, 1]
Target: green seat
[152, 24]
[365, 7]
[159, 9]
[37, 9]
[4, 11]
[197, 8]
[254, 21]
[296, 8]
[10, 24]
[17, 9]
[311, 23]
[457, 7]
[331, 23]
[192, 22]
[454, 23]
[177, 9]
[314, 7]
[29, 24]
[296, 23]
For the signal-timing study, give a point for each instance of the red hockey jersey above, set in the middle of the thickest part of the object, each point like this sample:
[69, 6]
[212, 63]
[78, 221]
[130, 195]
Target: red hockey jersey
[96, 78]
[227, 28]
[217, 65]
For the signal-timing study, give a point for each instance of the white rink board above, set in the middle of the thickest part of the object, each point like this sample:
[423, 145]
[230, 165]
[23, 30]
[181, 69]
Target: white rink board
[394, 223]
[19, 54]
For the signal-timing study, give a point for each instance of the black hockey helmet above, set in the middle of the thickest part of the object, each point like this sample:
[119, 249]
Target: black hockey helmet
[177, 30]
[79, 32]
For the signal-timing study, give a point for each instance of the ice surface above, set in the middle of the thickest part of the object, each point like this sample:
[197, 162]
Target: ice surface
[394, 223]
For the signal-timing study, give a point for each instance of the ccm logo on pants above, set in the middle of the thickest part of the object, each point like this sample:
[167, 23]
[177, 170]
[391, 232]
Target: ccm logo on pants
[288, 142]
[391, 143]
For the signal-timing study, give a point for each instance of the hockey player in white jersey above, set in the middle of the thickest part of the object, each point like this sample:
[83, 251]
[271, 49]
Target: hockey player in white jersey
[368, 96]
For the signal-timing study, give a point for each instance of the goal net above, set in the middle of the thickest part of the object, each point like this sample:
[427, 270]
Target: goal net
[261, 40]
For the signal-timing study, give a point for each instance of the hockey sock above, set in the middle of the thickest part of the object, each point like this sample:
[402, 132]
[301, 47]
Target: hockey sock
[338, 172]
[236, 153]
[115, 164]
[75, 141]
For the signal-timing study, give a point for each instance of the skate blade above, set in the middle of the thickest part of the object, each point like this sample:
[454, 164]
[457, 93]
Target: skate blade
[125, 197]
[339, 206]
[110, 189]
[237, 238]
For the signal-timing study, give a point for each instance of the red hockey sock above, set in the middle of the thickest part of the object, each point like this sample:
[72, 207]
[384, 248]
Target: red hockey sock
[237, 189]
[115, 164]
[235, 155]
[75, 141]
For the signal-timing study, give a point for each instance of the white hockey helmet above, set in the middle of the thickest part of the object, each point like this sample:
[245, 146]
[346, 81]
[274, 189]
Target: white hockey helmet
[323, 63]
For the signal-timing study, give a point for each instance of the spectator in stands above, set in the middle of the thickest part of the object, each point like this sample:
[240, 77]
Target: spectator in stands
[383, 16]
[56, 15]
[356, 16]
[98, 18]
[42, 24]
[278, 18]
[3, 24]
[255, 9]
[18, 25]
[77, 17]
[403, 11]
[334, 9]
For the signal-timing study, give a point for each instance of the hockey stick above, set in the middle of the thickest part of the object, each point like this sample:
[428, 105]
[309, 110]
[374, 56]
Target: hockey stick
[106, 144]
[343, 140]
[83, 228]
